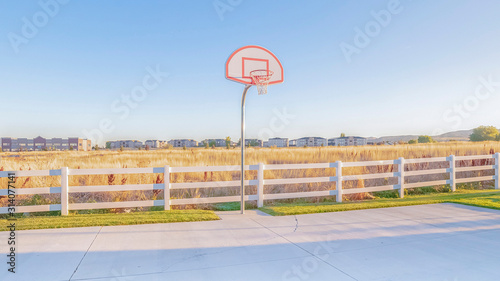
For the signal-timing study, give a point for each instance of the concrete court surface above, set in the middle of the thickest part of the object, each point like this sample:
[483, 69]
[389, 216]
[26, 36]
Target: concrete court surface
[430, 242]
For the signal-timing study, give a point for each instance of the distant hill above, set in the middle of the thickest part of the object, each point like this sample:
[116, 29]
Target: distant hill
[457, 135]
[462, 135]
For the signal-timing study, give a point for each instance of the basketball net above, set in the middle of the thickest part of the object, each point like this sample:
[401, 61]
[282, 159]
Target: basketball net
[261, 79]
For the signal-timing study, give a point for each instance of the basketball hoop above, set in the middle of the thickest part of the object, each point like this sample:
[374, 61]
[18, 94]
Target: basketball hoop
[261, 79]
[252, 65]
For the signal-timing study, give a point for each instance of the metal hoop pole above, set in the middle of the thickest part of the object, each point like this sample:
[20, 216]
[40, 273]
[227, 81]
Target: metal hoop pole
[242, 143]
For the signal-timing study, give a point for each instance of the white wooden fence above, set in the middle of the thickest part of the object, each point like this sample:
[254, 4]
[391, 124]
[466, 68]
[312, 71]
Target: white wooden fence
[64, 190]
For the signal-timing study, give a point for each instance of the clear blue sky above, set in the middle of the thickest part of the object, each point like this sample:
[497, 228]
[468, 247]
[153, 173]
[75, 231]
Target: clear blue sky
[417, 75]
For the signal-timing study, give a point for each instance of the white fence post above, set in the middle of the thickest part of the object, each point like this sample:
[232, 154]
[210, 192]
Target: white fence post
[260, 186]
[497, 170]
[339, 181]
[166, 187]
[453, 180]
[401, 178]
[64, 191]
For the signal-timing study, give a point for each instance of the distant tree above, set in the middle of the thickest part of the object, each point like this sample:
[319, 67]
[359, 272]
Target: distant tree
[207, 145]
[139, 148]
[168, 146]
[342, 135]
[412, 141]
[108, 145]
[184, 147]
[228, 142]
[121, 147]
[212, 144]
[96, 147]
[71, 148]
[425, 139]
[485, 133]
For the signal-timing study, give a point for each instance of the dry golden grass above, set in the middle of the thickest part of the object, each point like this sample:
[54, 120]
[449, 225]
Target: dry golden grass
[216, 157]
[212, 157]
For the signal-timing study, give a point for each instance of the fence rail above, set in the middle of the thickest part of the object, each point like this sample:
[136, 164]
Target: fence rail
[65, 190]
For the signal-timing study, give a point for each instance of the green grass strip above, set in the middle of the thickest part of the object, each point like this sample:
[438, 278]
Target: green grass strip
[82, 220]
[484, 198]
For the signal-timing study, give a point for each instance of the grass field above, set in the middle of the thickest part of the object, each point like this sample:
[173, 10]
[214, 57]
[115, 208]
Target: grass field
[480, 198]
[219, 156]
[79, 220]
[212, 157]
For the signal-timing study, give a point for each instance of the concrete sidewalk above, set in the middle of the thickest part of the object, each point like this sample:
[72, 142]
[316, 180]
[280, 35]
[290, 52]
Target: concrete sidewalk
[430, 242]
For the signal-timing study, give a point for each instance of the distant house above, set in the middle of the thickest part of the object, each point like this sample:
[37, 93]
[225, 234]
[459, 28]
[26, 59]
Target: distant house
[155, 144]
[152, 143]
[39, 143]
[253, 142]
[130, 144]
[311, 142]
[183, 142]
[348, 141]
[217, 142]
[278, 142]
